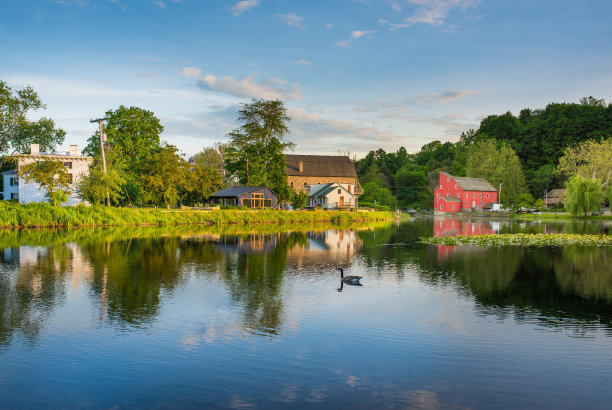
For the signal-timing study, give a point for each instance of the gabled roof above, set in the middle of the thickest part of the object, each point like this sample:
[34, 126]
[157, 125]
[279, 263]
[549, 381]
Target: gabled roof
[320, 166]
[327, 189]
[238, 190]
[11, 172]
[555, 193]
[472, 184]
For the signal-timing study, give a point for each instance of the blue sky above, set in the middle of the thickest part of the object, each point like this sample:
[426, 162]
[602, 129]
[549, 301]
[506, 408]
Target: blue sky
[355, 75]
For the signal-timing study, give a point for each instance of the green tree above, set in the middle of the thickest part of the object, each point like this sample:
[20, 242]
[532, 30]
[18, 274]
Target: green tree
[163, 175]
[411, 186]
[374, 192]
[51, 176]
[583, 195]
[299, 199]
[256, 153]
[590, 159]
[16, 132]
[201, 181]
[542, 179]
[95, 186]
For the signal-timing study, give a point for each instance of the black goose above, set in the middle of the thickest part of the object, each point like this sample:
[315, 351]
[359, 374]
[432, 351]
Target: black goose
[349, 280]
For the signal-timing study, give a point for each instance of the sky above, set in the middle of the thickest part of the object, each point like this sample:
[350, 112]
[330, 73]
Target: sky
[355, 75]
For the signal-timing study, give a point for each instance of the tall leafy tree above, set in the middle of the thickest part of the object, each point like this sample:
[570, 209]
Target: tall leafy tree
[16, 131]
[162, 175]
[583, 195]
[412, 188]
[590, 159]
[256, 152]
[95, 187]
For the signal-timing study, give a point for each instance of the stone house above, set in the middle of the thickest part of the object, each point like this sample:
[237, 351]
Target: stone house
[304, 171]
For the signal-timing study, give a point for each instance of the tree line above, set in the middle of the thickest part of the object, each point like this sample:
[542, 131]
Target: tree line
[525, 155]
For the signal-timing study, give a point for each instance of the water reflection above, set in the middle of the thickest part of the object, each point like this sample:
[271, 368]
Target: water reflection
[128, 275]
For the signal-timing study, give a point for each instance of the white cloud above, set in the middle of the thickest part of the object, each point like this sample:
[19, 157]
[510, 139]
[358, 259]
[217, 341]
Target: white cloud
[291, 20]
[396, 7]
[354, 35]
[242, 6]
[433, 12]
[329, 25]
[304, 62]
[271, 89]
[191, 72]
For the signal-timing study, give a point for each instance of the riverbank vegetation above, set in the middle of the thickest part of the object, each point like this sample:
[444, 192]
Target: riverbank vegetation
[14, 215]
[522, 239]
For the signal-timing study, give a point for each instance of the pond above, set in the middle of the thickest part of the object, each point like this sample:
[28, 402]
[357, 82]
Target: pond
[239, 317]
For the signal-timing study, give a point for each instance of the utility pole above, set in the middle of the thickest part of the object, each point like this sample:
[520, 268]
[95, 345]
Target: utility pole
[499, 193]
[99, 121]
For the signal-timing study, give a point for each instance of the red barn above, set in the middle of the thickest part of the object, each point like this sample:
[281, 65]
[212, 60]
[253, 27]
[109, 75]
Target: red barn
[455, 194]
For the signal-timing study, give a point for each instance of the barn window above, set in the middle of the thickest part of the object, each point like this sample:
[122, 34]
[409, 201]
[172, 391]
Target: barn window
[481, 194]
[455, 186]
[474, 195]
[487, 195]
[453, 207]
[458, 195]
[447, 195]
[466, 194]
[466, 203]
[339, 191]
[440, 186]
[438, 195]
[447, 179]
[441, 207]
[481, 203]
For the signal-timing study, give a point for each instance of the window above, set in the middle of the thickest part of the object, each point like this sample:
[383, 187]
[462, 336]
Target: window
[487, 195]
[453, 207]
[70, 179]
[291, 184]
[305, 184]
[438, 195]
[481, 194]
[15, 195]
[68, 165]
[441, 207]
[466, 194]
[447, 179]
[447, 195]
[14, 181]
[440, 186]
[455, 186]
[339, 191]
[474, 195]
[480, 203]
[466, 203]
[458, 195]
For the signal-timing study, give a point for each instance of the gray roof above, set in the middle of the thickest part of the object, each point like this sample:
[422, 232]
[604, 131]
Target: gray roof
[238, 190]
[320, 166]
[555, 193]
[11, 172]
[472, 184]
[326, 189]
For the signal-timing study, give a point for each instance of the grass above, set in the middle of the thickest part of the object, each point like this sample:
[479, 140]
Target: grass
[39, 215]
[522, 239]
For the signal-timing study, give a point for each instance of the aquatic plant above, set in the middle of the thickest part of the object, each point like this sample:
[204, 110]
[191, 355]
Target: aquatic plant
[522, 239]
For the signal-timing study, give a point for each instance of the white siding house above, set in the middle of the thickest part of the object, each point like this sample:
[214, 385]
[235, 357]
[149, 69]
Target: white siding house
[331, 196]
[15, 187]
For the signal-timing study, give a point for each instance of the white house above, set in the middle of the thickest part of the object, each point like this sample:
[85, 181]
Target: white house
[331, 196]
[15, 187]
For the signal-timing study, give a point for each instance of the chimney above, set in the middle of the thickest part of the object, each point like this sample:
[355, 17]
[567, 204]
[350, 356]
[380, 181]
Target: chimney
[34, 149]
[301, 166]
[74, 150]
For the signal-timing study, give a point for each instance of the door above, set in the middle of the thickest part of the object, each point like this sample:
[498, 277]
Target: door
[341, 201]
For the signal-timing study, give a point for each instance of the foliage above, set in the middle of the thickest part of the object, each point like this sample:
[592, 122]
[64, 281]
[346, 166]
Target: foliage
[539, 203]
[299, 199]
[45, 215]
[412, 188]
[201, 182]
[524, 200]
[51, 175]
[583, 195]
[16, 132]
[376, 193]
[95, 186]
[541, 180]
[522, 239]
[589, 160]
[162, 176]
[256, 152]
[498, 166]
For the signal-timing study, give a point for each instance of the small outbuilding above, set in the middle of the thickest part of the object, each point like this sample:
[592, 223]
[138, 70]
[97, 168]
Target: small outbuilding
[249, 196]
[553, 197]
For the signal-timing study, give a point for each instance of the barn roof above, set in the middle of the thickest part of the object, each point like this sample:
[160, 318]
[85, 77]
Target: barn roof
[472, 184]
[555, 193]
[320, 166]
[237, 190]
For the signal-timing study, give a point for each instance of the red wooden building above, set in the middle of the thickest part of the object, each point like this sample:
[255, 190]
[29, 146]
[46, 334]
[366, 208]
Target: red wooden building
[455, 194]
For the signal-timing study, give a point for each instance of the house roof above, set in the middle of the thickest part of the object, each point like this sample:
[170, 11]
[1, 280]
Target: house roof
[320, 166]
[472, 184]
[238, 190]
[11, 172]
[555, 193]
[328, 188]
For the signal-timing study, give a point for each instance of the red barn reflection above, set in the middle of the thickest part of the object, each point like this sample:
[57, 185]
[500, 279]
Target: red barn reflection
[454, 227]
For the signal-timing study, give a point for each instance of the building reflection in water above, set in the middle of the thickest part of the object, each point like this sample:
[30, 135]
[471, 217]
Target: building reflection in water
[454, 227]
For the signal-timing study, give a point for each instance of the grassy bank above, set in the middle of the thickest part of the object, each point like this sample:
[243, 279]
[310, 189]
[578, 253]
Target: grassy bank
[14, 215]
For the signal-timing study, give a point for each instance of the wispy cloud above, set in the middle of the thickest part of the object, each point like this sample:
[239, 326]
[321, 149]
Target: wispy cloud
[304, 62]
[433, 12]
[161, 4]
[329, 25]
[447, 97]
[191, 72]
[354, 35]
[242, 6]
[291, 20]
[271, 89]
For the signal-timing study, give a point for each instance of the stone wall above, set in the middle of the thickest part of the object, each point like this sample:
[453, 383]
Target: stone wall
[298, 181]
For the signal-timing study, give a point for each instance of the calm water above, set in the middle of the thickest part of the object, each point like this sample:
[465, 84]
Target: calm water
[179, 317]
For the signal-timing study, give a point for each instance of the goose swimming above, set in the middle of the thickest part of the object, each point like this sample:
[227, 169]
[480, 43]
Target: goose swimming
[349, 280]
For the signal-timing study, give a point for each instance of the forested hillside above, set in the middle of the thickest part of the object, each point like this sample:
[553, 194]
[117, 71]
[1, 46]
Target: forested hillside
[520, 151]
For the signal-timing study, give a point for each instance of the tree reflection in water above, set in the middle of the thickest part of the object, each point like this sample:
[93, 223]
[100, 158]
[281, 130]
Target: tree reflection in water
[127, 273]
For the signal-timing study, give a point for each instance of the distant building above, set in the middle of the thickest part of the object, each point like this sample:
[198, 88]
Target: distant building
[15, 187]
[331, 196]
[553, 197]
[304, 171]
[456, 194]
[249, 196]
